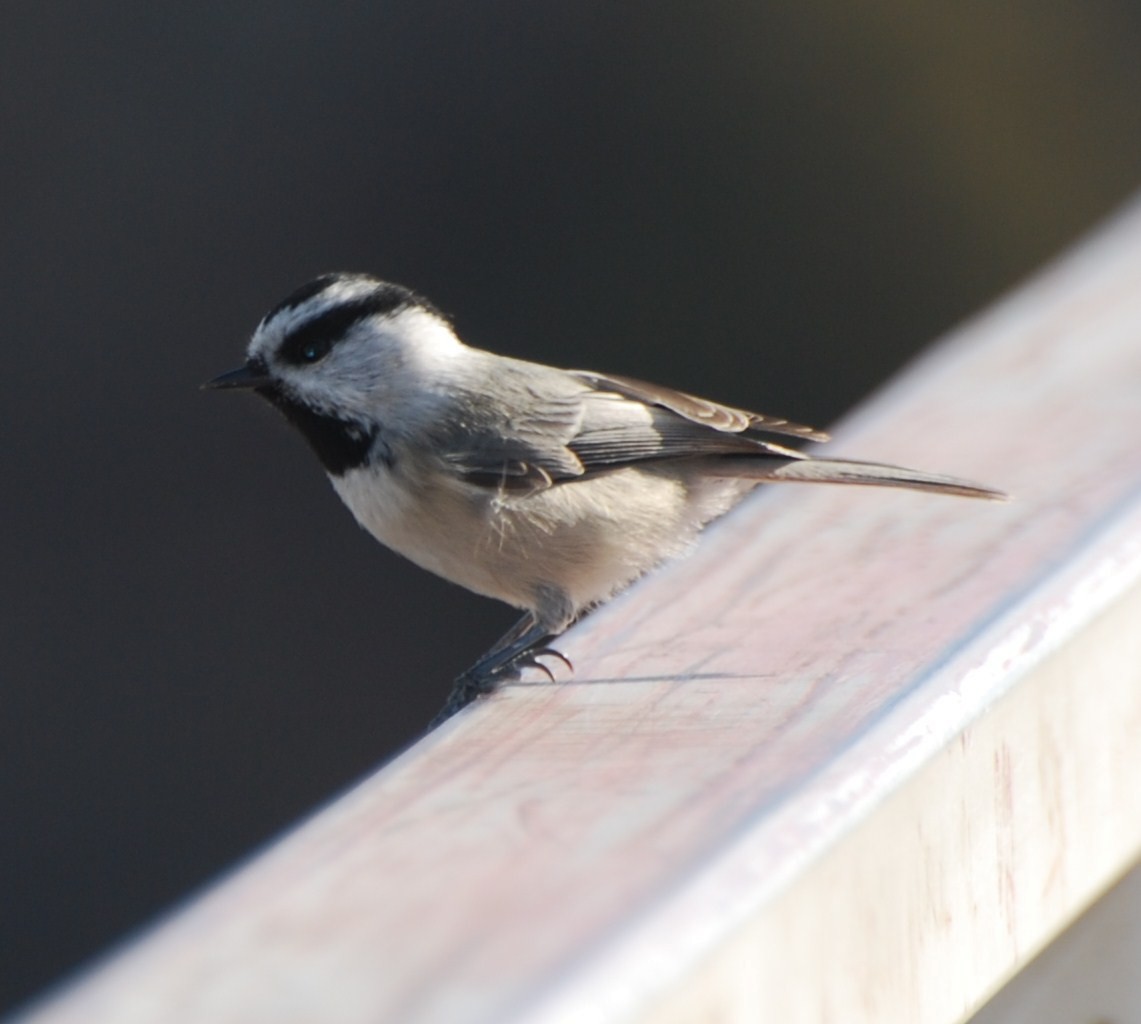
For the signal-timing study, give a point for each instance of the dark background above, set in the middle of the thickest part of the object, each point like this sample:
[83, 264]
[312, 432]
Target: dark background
[773, 204]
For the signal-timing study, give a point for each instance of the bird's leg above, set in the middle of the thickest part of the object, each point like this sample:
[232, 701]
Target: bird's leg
[521, 645]
[517, 639]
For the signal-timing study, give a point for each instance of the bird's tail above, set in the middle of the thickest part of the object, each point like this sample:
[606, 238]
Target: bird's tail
[852, 471]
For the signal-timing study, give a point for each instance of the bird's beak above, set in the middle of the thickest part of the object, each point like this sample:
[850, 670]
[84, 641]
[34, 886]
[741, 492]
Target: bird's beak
[251, 375]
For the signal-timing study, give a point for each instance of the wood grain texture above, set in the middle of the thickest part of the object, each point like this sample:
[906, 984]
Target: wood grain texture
[855, 759]
[1089, 976]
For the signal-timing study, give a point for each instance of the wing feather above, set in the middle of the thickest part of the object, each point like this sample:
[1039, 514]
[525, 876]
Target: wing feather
[698, 410]
[563, 425]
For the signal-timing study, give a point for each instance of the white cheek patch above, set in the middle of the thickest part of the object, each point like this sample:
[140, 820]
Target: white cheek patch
[427, 342]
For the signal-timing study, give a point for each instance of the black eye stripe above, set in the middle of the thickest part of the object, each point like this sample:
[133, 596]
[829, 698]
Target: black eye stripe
[321, 333]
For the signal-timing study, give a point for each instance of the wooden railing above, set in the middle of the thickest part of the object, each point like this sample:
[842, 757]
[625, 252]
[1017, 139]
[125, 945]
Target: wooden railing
[856, 759]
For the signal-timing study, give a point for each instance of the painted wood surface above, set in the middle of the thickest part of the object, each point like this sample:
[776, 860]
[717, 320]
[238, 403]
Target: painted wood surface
[855, 759]
[1088, 976]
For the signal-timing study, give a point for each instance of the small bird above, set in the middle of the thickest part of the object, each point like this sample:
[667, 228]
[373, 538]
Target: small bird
[549, 489]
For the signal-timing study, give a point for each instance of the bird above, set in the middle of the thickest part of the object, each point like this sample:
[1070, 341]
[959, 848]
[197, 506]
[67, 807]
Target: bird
[548, 489]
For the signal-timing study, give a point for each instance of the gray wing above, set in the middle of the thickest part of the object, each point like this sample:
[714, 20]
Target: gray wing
[697, 410]
[629, 420]
[551, 426]
[555, 425]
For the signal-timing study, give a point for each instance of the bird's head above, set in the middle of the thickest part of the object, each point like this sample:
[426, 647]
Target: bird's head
[344, 356]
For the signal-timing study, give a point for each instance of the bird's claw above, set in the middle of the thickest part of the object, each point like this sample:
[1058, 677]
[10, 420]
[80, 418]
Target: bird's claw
[472, 685]
[530, 659]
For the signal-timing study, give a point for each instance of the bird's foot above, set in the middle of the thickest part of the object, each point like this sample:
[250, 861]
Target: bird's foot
[480, 681]
[530, 659]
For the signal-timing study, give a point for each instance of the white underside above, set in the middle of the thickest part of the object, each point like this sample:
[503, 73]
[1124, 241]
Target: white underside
[583, 540]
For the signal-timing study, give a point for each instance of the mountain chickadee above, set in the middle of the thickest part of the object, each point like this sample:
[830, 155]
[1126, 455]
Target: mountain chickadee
[549, 489]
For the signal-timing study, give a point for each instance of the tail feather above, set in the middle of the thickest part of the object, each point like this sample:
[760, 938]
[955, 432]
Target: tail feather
[852, 471]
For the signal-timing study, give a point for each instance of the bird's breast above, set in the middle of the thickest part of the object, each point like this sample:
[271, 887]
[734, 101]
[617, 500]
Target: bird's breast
[584, 540]
[439, 524]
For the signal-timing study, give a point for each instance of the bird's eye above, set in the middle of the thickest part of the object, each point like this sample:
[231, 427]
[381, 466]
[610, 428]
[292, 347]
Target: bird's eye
[310, 343]
[313, 350]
